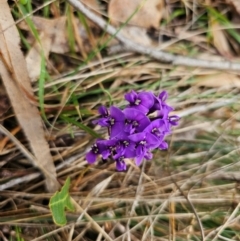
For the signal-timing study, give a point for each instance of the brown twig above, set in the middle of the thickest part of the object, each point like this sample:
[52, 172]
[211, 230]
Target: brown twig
[152, 52]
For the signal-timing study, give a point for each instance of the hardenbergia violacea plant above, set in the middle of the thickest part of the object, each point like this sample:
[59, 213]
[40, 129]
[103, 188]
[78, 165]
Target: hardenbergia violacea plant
[135, 131]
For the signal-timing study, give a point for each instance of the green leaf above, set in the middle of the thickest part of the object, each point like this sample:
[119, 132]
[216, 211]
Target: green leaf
[23, 2]
[58, 202]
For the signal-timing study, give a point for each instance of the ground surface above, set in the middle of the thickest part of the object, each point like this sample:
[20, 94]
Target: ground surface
[188, 192]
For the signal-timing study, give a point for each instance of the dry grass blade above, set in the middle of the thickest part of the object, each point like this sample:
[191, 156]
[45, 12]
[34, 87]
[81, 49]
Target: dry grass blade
[91, 220]
[219, 39]
[225, 80]
[17, 83]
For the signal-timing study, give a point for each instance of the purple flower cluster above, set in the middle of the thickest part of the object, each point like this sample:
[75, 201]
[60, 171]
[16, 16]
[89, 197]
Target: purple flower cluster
[135, 131]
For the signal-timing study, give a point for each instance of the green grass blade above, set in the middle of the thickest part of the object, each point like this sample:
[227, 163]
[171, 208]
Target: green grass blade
[81, 126]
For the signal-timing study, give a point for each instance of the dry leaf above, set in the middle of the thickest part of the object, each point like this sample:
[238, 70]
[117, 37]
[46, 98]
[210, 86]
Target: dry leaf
[148, 12]
[55, 29]
[145, 14]
[92, 4]
[137, 35]
[15, 77]
[34, 58]
[225, 80]
[219, 39]
[52, 39]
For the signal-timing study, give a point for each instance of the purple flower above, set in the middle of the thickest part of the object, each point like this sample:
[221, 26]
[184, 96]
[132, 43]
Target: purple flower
[125, 148]
[114, 120]
[159, 128]
[173, 120]
[135, 131]
[145, 142]
[104, 120]
[135, 120]
[109, 147]
[121, 165]
[119, 157]
[95, 151]
[160, 105]
[142, 101]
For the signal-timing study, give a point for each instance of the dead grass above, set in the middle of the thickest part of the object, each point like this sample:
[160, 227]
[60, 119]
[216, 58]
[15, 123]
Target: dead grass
[185, 193]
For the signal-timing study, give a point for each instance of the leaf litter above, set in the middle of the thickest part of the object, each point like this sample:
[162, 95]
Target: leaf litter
[202, 159]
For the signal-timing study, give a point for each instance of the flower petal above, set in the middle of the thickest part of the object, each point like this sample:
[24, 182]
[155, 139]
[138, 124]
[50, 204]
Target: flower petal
[140, 150]
[131, 113]
[147, 99]
[137, 137]
[131, 97]
[163, 96]
[138, 160]
[103, 110]
[104, 122]
[152, 141]
[173, 120]
[121, 165]
[135, 115]
[128, 128]
[91, 157]
[116, 114]
[148, 156]
[130, 152]
[163, 145]
[117, 130]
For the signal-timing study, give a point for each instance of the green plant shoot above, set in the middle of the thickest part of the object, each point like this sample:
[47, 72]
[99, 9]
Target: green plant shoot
[23, 2]
[58, 202]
